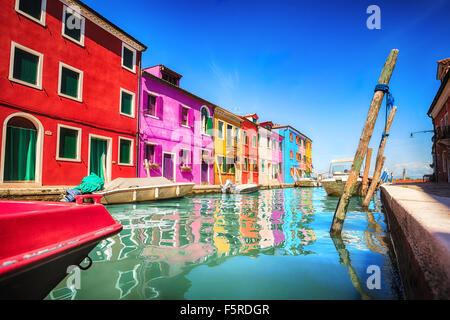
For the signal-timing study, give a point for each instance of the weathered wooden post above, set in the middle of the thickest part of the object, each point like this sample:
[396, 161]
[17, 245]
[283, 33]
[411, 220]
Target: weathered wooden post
[341, 209]
[374, 184]
[378, 164]
[366, 172]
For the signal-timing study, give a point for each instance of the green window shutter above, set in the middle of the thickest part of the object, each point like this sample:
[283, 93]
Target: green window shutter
[68, 140]
[20, 154]
[69, 82]
[98, 149]
[72, 26]
[224, 164]
[126, 103]
[209, 126]
[31, 7]
[25, 66]
[125, 151]
[127, 58]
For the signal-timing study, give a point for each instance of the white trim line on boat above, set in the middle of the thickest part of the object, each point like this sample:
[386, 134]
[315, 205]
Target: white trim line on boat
[148, 187]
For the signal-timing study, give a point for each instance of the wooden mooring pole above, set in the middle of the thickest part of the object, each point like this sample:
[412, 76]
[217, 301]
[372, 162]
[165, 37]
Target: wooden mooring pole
[380, 160]
[341, 209]
[365, 184]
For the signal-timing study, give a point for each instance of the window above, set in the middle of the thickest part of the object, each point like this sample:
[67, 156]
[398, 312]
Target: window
[255, 166]
[268, 142]
[291, 136]
[297, 156]
[25, 66]
[127, 103]
[73, 25]
[206, 121]
[184, 116]
[296, 140]
[291, 154]
[237, 136]
[255, 144]
[229, 134]
[170, 79]
[151, 105]
[292, 172]
[220, 130]
[33, 9]
[245, 138]
[280, 145]
[230, 167]
[70, 82]
[245, 164]
[128, 57]
[149, 153]
[125, 151]
[185, 158]
[68, 144]
[274, 144]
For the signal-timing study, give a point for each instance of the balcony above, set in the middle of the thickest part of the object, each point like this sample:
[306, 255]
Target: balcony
[442, 135]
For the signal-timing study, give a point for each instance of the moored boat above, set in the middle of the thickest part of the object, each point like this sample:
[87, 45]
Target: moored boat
[229, 187]
[40, 240]
[339, 173]
[129, 190]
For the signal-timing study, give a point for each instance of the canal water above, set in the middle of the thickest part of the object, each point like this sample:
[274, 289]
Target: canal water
[273, 244]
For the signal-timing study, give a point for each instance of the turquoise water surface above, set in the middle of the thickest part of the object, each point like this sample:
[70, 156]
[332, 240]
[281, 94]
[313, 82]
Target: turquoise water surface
[273, 244]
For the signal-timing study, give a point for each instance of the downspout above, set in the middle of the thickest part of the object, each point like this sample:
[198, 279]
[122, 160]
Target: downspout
[138, 117]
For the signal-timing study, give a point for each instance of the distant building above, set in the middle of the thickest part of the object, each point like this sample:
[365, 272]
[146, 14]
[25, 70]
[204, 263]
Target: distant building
[270, 154]
[175, 130]
[438, 112]
[250, 149]
[69, 92]
[297, 160]
[227, 147]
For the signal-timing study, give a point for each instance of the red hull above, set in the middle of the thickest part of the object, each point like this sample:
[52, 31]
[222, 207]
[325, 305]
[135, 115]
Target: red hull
[39, 240]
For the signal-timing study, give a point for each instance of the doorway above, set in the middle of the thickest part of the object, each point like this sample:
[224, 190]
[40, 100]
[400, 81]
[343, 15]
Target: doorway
[168, 166]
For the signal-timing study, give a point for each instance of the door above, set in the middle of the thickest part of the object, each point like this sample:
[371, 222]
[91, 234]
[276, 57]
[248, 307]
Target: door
[168, 166]
[20, 153]
[98, 158]
[205, 167]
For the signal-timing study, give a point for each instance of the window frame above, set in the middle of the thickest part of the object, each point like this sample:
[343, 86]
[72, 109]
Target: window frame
[124, 45]
[133, 103]
[146, 143]
[188, 158]
[187, 125]
[218, 130]
[131, 164]
[83, 23]
[43, 12]
[78, 158]
[80, 82]
[38, 85]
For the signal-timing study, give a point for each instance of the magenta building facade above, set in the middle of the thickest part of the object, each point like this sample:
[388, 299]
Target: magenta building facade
[175, 130]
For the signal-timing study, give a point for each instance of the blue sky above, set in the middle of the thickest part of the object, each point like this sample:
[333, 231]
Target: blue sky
[309, 64]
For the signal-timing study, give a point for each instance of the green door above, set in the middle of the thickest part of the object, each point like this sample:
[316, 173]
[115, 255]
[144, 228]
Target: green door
[99, 148]
[20, 154]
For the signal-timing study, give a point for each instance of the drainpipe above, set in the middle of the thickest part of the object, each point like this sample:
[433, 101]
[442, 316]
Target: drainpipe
[138, 117]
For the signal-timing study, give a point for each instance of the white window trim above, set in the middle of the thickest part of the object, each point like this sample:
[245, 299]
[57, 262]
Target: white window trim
[79, 98]
[244, 136]
[189, 160]
[188, 125]
[38, 85]
[78, 158]
[223, 128]
[133, 103]
[131, 152]
[124, 45]
[153, 144]
[205, 133]
[43, 12]
[156, 106]
[81, 42]
[108, 161]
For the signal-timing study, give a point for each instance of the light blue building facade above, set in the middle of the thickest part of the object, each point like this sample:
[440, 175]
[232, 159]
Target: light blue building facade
[294, 153]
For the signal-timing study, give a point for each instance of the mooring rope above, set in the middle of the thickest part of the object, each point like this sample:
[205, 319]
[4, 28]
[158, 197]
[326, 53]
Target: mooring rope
[389, 103]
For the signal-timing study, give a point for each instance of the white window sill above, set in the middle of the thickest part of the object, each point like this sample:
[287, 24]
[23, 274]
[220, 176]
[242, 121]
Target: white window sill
[35, 86]
[68, 159]
[70, 97]
[127, 115]
[26, 15]
[151, 116]
[80, 43]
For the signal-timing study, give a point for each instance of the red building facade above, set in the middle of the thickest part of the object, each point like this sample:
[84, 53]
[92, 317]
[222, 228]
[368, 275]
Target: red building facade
[439, 112]
[250, 149]
[69, 94]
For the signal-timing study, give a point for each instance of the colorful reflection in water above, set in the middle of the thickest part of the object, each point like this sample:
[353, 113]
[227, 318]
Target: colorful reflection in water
[273, 244]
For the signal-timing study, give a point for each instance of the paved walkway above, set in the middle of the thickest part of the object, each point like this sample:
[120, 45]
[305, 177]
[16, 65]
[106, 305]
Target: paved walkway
[419, 222]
